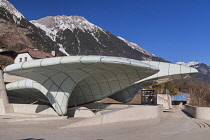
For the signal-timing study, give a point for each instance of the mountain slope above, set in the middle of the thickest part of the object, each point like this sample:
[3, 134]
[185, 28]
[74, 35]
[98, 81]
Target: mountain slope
[16, 15]
[77, 36]
[136, 47]
[16, 32]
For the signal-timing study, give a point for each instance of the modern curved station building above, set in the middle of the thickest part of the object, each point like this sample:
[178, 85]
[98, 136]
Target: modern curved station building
[74, 80]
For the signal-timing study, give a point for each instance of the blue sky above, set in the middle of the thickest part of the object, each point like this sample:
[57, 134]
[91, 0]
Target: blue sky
[177, 30]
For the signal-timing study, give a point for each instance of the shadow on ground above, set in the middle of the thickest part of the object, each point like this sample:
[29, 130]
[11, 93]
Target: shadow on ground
[32, 139]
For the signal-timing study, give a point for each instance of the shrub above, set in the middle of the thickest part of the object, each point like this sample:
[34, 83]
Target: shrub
[5, 61]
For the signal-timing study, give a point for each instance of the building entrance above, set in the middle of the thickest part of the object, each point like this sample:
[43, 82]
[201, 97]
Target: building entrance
[148, 97]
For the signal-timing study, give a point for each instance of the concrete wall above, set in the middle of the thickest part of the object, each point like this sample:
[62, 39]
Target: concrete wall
[4, 102]
[180, 106]
[198, 112]
[165, 100]
[80, 112]
[131, 113]
[33, 109]
[2, 109]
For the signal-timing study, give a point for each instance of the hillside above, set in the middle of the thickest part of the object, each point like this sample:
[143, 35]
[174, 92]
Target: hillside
[16, 32]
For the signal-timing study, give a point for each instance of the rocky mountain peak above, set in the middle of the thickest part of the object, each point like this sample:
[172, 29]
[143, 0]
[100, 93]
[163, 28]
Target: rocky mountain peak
[55, 27]
[203, 69]
[52, 25]
[8, 6]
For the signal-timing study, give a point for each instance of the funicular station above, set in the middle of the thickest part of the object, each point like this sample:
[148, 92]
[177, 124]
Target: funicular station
[63, 83]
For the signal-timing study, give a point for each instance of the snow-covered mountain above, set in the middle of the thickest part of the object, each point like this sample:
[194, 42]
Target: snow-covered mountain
[13, 11]
[203, 69]
[52, 25]
[75, 35]
[66, 35]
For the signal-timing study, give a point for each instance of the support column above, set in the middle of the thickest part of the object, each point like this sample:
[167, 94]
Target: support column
[5, 107]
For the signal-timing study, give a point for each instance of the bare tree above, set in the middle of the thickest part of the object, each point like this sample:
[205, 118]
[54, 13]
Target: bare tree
[199, 91]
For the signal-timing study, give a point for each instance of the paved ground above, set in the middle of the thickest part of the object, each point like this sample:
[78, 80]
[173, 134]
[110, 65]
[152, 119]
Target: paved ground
[18, 117]
[173, 125]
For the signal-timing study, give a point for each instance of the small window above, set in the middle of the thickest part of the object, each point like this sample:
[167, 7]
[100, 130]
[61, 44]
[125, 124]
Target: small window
[25, 58]
[20, 59]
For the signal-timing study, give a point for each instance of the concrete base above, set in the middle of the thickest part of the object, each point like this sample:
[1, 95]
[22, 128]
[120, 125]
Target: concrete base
[133, 112]
[80, 112]
[2, 109]
[34, 109]
[15, 117]
[165, 100]
[180, 106]
[198, 112]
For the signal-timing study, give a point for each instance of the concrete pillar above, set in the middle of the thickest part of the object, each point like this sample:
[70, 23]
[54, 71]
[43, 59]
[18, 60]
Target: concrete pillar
[5, 107]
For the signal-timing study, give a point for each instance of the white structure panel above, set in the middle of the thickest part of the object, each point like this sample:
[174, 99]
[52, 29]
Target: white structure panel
[67, 85]
[114, 85]
[173, 69]
[31, 64]
[95, 89]
[40, 78]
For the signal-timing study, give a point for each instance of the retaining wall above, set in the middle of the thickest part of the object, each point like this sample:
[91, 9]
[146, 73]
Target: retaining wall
[198, 112]
[165, 100]
[131, 113]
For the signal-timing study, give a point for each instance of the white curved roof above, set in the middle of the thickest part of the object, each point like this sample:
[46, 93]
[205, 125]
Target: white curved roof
[81, 79]
[168, 72]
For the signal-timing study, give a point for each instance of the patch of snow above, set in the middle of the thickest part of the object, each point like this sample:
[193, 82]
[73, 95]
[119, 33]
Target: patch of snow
[94, 37]
[97, 39]
[102, 44]
[182, 63]
[7, 5]
[61, 48]
[192, 63]
[135, 46]
[189, 64]
[78, 43]
[49, 32]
